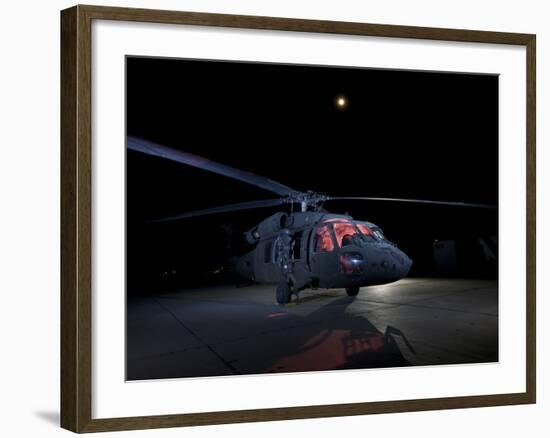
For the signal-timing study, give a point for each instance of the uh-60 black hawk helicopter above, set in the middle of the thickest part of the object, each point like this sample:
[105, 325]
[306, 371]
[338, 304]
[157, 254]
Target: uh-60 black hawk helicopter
[307, 247]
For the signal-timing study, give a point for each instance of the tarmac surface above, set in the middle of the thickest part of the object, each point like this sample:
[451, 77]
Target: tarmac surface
[227, 330]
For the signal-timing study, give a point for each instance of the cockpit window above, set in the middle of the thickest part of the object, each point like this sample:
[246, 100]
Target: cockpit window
[346, 233]
[365, 230]
[378, 233]
[323, 240]
[371, 231]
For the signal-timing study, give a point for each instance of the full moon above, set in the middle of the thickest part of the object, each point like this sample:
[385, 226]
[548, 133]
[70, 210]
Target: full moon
[341, 102]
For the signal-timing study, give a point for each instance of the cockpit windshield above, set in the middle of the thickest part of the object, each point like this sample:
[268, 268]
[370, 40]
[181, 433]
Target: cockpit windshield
[366, 231]
[346, 232]
[378, 233]
[371, 231]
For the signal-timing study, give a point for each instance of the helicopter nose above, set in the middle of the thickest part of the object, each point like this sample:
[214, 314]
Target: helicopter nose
[403, 262]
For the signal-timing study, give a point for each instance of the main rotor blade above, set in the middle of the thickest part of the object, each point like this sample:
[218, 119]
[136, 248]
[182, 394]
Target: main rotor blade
[224, 209]
[168, 153]
[412, 201]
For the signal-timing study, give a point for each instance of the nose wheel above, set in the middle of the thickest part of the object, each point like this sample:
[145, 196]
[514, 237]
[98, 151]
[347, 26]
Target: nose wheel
[283, 293]
[352, 291]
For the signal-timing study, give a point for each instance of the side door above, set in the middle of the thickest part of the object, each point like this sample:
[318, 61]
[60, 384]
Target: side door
[323, 255]
[299, 258]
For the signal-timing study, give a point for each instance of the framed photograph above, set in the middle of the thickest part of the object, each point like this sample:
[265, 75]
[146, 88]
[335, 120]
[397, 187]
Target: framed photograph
[271, 218]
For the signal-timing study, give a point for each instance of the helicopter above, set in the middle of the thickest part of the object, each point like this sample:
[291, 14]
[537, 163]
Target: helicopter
[308, 247]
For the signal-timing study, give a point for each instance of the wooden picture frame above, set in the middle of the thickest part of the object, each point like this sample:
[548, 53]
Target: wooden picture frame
[76, 217]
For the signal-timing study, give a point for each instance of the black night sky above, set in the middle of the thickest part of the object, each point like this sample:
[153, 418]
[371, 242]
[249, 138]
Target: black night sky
[402, 134]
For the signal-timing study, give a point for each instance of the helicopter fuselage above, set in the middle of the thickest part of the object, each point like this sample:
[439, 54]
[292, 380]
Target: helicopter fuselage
[310, 248]
[321, 250]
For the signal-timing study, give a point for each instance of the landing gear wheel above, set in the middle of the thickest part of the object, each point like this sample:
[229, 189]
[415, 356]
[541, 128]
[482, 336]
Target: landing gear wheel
[352, 291]
[283, 293]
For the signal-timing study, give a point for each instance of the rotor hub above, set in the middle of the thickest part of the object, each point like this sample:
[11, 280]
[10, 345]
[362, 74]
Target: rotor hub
[307, 200]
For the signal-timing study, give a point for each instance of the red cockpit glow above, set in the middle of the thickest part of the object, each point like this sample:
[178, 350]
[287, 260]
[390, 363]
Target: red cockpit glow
[365, 230]
[342, 229]
[323, 239]
[335, 349]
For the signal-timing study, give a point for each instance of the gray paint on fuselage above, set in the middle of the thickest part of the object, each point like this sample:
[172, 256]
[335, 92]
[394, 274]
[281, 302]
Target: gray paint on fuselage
[385, 262]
